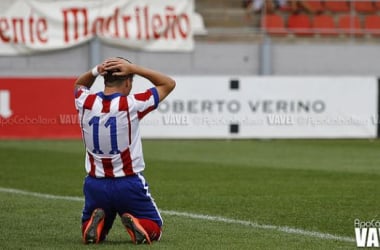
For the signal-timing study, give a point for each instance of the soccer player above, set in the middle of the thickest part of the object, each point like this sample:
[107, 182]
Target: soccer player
[114, 159]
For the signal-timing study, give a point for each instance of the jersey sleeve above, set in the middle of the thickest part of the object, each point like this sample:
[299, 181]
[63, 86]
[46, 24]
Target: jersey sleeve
[80, 94]
[146, 102]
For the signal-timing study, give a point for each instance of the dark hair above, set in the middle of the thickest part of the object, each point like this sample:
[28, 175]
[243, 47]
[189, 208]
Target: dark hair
[112, 80]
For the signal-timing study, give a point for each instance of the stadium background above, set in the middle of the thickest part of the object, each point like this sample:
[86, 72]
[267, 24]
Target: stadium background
[236, 49]
[281, 194]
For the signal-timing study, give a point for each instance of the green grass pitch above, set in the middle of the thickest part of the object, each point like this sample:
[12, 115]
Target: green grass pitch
[214, 194]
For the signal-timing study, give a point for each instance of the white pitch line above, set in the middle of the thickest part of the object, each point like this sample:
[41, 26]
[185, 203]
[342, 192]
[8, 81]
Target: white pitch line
[284, 229]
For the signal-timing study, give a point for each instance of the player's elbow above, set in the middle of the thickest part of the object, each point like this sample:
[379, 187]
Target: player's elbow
[171, 84]
[165, 88]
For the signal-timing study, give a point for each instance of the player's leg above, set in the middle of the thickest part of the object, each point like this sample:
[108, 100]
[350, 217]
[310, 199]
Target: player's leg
[97, 216]
[138, 210]
[138, 233]
[92, 228]
[96, 228]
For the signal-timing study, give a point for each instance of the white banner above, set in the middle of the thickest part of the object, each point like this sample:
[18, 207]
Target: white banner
[31, 26]
[264, 107]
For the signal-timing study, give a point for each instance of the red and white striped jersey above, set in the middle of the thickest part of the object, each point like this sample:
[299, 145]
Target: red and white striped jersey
[110, 130]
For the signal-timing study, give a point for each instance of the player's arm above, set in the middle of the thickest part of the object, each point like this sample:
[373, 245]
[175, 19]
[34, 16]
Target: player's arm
[163, 83]
[87, 79]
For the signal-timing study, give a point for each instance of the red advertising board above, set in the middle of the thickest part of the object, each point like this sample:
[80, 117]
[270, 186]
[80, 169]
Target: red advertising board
[38, 108]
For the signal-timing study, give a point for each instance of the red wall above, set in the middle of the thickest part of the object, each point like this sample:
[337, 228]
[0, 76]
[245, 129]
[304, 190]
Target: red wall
[40, 108]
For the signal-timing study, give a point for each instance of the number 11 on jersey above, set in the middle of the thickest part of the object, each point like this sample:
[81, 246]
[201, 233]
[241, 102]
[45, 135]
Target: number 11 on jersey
[111, 123]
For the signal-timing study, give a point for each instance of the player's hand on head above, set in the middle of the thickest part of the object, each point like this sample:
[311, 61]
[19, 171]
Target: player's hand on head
[120, 66]
[101, 69]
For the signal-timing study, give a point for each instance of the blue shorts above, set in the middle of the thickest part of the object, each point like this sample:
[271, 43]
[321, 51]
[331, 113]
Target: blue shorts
[128, 194]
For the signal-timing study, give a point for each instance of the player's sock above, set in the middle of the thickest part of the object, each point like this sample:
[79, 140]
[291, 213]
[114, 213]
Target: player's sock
[84, 225]
[152, 228]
